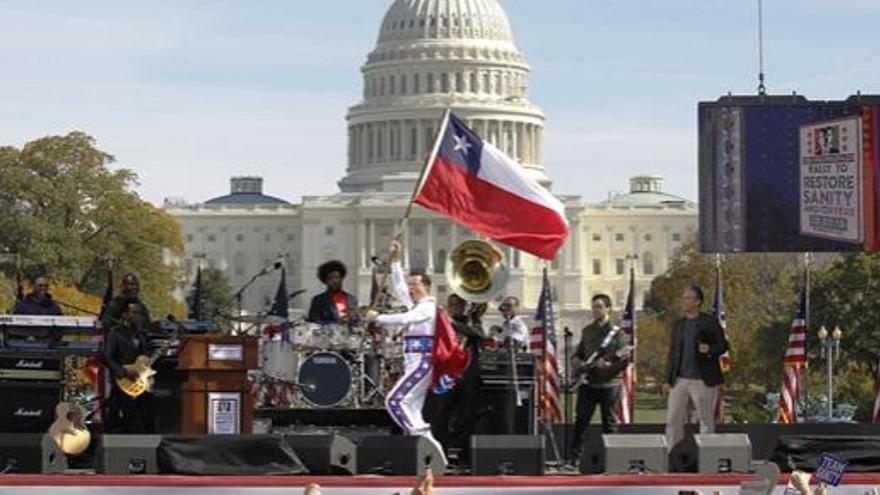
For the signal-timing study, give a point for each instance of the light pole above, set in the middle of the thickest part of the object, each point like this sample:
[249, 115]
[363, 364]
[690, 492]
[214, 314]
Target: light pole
[830, 350]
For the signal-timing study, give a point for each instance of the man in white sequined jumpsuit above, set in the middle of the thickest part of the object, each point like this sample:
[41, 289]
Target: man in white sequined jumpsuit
[405, 400]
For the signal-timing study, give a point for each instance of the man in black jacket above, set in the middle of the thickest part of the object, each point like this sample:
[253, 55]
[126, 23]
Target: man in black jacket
[693, 373]
[453, 414]
[333, 305]
[39, 301]
[124, 343]
[130, 289]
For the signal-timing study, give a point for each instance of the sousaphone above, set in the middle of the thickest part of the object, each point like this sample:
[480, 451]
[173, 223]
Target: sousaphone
[476, 271]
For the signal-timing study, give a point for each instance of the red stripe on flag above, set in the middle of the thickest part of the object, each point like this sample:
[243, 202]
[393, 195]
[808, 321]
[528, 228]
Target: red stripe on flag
[491, 211]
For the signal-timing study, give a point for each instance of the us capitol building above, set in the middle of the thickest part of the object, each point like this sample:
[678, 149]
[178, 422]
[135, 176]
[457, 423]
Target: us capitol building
[432, 54]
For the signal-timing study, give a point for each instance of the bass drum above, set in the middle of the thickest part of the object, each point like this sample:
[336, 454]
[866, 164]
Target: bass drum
[325, 379]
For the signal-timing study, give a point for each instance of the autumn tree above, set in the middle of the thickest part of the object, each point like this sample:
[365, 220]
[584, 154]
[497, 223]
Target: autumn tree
[63, 209]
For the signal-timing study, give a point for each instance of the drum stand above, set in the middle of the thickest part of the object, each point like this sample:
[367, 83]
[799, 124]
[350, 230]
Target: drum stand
[369, 387]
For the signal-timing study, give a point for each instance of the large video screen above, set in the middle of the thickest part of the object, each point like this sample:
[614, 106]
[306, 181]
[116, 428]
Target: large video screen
[785, 174]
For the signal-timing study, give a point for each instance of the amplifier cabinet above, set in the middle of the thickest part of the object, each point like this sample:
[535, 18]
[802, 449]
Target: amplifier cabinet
[28, 406]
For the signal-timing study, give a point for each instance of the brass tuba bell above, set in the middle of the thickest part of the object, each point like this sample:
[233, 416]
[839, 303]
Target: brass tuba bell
[476, 271]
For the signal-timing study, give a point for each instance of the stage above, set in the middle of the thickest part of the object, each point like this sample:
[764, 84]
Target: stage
[658, 484]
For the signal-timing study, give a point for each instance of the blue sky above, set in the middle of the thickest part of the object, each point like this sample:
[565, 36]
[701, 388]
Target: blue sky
[189, 93]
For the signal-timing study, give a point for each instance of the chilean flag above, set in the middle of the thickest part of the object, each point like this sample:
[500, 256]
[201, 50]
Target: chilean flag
[481, 188]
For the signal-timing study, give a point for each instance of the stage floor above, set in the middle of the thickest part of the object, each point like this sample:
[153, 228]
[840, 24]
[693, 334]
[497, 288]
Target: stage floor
[649, 484]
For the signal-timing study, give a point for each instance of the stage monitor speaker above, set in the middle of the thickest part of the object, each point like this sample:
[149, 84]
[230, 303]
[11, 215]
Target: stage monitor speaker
[635, 453]
[128, 454]
[30, 453]
[723, 452]
[507, 454]
[325, 454]
[398, 455]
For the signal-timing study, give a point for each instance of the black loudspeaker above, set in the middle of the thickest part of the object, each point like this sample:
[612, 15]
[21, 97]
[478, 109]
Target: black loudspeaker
[635, 453]
[498, 413]
[723, 453]
[507, 454]
[398, 455]
[325, 454]
[30, 453]
[127, 454]
[28, 406]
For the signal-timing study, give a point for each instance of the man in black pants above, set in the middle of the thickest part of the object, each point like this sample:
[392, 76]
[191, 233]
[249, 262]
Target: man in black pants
[599, 378]
[125, 342]
[452, 414]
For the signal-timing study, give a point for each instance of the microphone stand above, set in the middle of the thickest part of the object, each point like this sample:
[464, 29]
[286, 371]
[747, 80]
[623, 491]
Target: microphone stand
[566, 343]
[239, 294]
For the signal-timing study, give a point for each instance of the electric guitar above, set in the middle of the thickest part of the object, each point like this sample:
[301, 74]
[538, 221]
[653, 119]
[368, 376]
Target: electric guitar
[591, 372]
[143, 366]
[69, 430]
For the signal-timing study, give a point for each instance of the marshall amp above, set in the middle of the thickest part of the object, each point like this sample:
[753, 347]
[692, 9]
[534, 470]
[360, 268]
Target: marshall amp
[28, 406]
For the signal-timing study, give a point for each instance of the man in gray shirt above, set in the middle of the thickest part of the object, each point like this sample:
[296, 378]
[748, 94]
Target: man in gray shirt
[693, 373]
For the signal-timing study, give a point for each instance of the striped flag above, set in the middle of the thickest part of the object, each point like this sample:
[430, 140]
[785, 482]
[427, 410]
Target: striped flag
[724, 359]
[625, 407]
[876, 415]
[543, 344]
[794, 364]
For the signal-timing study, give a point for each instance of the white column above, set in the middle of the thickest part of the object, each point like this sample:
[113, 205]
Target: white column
[360, 240]
[371, 237]
[429, 235]
[420, 139]
[516, 154]
[539, 137]
[389, 137]
[453, 234]
[405, 257]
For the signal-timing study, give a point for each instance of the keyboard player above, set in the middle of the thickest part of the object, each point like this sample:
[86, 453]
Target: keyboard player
[38, 302]
[129, 290]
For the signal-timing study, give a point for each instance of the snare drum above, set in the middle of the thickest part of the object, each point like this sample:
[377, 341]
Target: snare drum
[325, 379]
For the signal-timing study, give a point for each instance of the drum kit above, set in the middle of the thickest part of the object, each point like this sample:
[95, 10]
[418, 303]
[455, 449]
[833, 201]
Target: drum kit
[322, 366]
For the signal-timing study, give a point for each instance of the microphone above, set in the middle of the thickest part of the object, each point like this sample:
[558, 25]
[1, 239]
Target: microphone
[378, 262]
[266, 269]
[296, 293]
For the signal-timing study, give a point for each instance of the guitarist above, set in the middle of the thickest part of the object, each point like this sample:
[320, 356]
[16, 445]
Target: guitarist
[599, 379]
[126, 341]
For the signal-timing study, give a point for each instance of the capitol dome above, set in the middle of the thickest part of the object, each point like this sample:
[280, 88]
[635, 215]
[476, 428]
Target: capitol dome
[432, 55]
[431, 19]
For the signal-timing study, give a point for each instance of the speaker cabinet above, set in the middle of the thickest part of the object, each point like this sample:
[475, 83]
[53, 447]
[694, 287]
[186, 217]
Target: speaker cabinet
[28, 406]
[30, 453]
[507, 454]
[635, 453]
[723, 452]
[128, 454]
[398, 455]
[325, 454]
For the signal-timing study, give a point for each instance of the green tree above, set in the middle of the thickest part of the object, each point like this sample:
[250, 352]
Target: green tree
[217, 297]
[64, 210]
[847, 294]
[760, 292]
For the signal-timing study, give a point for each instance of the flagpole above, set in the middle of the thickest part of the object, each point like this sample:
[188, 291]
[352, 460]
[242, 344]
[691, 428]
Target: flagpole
[429, 162]
[803, 400]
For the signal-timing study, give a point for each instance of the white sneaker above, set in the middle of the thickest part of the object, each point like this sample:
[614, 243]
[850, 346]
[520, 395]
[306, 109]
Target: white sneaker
[437, 444]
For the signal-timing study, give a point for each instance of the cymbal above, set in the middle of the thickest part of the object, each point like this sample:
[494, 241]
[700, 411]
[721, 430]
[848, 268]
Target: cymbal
[249, 318]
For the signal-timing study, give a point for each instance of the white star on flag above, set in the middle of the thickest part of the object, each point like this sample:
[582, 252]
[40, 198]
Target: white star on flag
[461, 143]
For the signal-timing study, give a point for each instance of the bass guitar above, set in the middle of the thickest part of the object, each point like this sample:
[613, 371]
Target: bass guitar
[143, 367]
[69, 430]
[591, 372]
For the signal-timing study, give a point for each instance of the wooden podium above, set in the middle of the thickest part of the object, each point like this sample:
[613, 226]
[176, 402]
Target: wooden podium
[216, 396]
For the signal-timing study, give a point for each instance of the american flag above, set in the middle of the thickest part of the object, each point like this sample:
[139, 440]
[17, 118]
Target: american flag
[543, 344]
[724, 359]
[794, 363]
[876, 416]
[624, 409]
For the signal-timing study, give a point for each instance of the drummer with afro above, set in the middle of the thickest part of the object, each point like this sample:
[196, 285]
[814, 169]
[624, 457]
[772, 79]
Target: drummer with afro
[333, 305]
